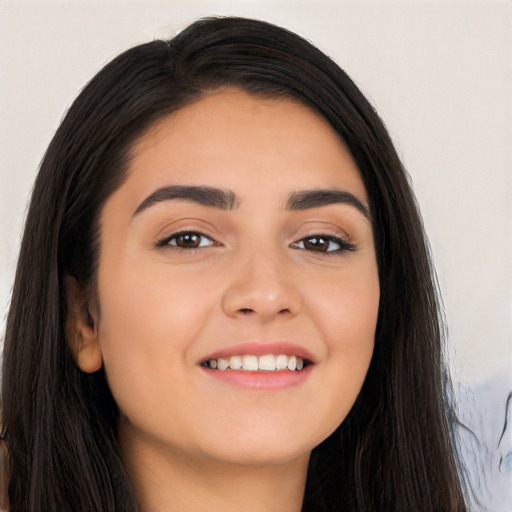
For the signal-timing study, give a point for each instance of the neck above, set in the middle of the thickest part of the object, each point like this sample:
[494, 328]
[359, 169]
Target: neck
[166, 481]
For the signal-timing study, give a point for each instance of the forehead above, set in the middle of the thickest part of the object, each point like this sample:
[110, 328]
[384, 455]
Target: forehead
[236, 139]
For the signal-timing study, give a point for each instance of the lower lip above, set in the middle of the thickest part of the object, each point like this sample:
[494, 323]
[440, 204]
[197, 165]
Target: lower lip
[261, 379]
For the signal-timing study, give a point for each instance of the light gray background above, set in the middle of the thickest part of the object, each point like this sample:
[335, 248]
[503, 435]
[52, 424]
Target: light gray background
[439, 73]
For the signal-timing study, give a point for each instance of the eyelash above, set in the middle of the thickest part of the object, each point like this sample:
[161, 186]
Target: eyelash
[343, 245]
[166, 242]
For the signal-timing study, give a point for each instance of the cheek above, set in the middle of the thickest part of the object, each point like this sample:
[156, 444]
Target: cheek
[142, 308]
[148, 321]
[347, 308]
[347, 318]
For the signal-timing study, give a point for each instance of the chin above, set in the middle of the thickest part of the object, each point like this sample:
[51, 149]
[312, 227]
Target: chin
[261, 456]
[265, 448]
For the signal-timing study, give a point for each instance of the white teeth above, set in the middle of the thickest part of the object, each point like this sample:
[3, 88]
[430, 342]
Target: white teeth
[252, 363]
[222, 364]
[235, 363]
[267, 363]
[281, 362]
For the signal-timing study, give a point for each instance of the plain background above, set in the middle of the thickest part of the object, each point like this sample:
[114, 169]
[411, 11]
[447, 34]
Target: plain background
[439, 74]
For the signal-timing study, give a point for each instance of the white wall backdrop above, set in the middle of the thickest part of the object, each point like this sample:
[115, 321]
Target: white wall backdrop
[439, 73]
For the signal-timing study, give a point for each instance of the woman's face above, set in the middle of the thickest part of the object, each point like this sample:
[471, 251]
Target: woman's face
[240, 237]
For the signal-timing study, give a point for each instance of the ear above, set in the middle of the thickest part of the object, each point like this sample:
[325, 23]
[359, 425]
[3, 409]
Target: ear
[81, 327]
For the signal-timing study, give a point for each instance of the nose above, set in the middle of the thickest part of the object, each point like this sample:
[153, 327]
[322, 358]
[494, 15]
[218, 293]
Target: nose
[262, 287]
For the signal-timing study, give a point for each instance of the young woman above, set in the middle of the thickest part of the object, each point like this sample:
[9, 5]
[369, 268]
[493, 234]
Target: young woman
[224, 298]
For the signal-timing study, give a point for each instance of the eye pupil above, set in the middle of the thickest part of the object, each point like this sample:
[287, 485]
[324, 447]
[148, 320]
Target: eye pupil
[188, 240]
[316, 244]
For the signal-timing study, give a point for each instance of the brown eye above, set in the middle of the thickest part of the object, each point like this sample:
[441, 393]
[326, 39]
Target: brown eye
[324, 244]
[316, 244]
[188, 240]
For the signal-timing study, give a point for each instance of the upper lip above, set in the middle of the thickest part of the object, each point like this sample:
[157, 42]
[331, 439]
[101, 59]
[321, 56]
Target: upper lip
[261, 348]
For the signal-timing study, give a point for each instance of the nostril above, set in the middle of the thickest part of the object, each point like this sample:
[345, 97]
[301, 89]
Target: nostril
[246, 311]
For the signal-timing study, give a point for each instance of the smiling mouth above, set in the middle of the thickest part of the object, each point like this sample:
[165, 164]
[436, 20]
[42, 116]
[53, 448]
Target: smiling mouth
[253, 363]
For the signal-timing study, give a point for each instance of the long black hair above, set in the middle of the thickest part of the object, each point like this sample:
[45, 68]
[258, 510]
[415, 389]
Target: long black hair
[394, 450]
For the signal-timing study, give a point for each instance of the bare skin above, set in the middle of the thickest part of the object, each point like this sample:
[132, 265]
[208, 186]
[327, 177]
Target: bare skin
[177, 484]
[267, 266]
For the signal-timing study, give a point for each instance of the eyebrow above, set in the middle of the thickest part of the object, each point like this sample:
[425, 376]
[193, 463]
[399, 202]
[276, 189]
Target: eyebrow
[225, 199]
[206, 196]
[307, 199]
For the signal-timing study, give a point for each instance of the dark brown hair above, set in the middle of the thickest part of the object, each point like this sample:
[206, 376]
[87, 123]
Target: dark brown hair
[394, 451]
